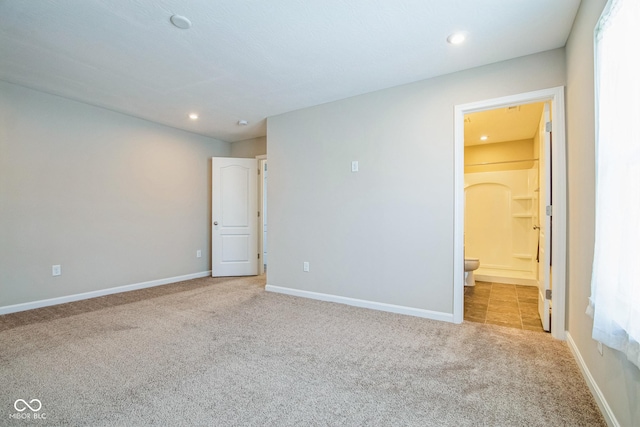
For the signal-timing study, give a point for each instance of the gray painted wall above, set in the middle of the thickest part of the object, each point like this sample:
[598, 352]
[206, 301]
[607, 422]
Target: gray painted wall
[618, 380]
[384, 234]
[118, 200]
[249, 148]
[114, 199]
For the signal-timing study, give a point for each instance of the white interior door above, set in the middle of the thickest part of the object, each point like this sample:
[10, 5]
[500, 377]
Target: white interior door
[544, 256]
[234, 217]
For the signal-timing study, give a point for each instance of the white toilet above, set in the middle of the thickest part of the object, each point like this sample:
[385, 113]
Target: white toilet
[470, 264]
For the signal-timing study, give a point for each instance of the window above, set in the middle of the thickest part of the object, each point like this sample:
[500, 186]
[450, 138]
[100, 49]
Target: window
[615, 283]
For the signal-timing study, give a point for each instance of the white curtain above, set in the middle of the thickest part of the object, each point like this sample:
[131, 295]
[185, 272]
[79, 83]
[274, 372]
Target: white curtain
[615, 285]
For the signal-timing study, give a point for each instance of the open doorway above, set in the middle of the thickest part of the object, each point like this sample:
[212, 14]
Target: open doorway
[524, 202]
[505, 184]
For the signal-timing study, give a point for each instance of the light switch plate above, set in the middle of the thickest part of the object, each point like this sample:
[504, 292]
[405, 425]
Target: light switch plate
[354, 166]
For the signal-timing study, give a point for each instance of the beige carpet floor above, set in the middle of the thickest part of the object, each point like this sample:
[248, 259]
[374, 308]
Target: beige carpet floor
[216, 352]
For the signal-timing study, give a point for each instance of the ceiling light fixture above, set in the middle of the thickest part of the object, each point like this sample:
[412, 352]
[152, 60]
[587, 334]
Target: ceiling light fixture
[181, 22]
[457, 38]
[193, 116]
[242, 122]
[484, 138]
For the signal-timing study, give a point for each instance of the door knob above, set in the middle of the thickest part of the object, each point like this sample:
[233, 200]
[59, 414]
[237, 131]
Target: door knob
[536, 227]
[215, 222]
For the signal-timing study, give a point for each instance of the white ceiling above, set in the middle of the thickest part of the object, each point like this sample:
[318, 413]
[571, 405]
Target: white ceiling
[513, 123]
[251, 59]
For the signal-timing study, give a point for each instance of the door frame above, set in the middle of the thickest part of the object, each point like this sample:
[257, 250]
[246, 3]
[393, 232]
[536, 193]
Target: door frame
[559, 198]
[261, 159]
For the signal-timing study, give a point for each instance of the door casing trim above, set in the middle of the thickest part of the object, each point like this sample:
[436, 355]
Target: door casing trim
[559, 198]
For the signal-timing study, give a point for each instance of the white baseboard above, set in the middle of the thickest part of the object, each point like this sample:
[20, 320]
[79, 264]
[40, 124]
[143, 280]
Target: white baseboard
[609, 417]
[506, 280]
[410, 311]
[86, 295]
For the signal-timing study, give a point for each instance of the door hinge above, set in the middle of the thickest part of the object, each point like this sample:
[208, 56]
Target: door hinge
[550, 210]
[258, 256]
[258, 214]
[547, 127]
[258, 171]
[548, 294]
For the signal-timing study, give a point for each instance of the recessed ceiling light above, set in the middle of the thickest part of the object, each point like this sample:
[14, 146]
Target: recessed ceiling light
[181, 22]
[484, 138]
[193, 116]
[242, 122]
[457, 38]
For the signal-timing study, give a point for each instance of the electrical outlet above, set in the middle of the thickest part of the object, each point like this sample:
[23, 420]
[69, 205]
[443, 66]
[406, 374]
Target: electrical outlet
[600, 348]
[56, 270]
[354, 166]
[198, 253]
[305, 266]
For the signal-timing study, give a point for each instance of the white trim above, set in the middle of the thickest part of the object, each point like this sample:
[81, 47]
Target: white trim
[608, 414]
[399, 309]
[559, 202]
[261, 159]
[458, 215]
[506, 280]
[93, 294]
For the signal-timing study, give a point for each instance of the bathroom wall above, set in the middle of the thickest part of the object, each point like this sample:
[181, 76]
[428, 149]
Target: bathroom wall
[499, 152]
[536, 141]
[113, 199]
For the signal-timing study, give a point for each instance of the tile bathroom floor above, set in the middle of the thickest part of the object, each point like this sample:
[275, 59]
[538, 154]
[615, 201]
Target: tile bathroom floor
[514, 306]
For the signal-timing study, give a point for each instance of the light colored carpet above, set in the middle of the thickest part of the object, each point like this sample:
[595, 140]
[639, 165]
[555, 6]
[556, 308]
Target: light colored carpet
[225, 353]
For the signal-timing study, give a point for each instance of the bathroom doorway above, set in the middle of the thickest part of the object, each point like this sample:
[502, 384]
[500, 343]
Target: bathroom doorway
[522, 202]
[501, 184]
[503, 172]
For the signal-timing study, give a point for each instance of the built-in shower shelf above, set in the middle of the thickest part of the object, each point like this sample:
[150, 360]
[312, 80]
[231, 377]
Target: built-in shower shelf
[522, 215]
[523, 256]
